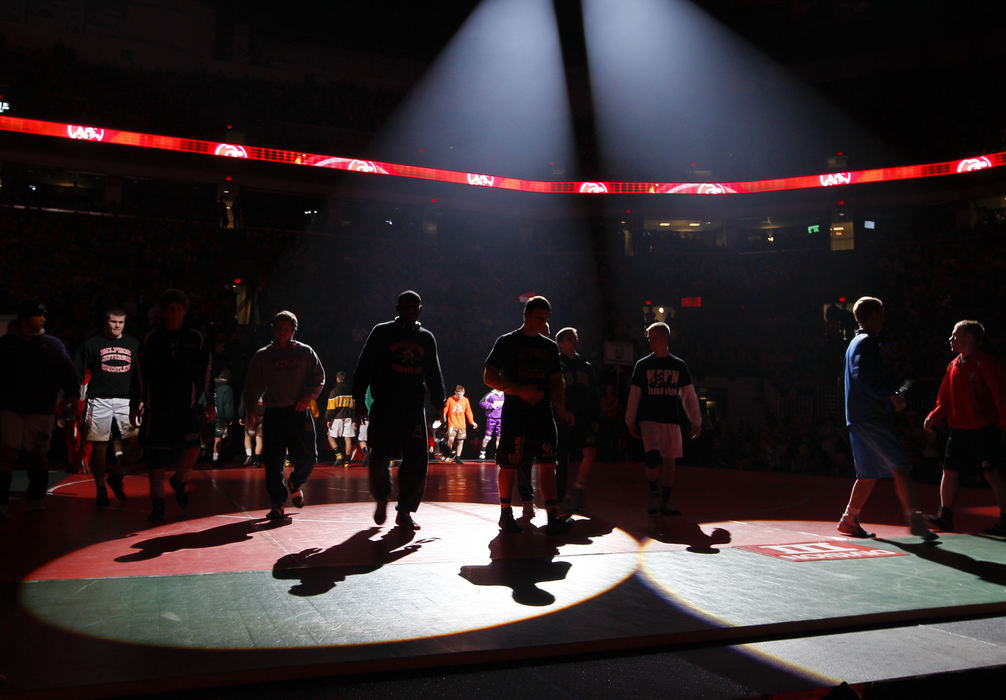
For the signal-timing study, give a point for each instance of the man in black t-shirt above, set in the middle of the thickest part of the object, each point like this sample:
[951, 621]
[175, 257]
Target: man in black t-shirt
[113, 396]
[661, 398]
[524, 365]
[175, 361]
[584, 405]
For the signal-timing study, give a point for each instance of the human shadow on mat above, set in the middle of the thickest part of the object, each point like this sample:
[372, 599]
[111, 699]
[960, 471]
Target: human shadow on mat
[318, 570]
[990, 571]
[240, 531]
[522, 561]
[682, 531]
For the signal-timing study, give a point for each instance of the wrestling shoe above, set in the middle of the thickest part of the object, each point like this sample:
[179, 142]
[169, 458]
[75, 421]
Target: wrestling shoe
[557, 524]
[101, 497]
[114, 482]
[404, 521]
[381, 512]
[998, 530]
[528, 510]
[917, 526]
[458, 460]
[296, 494]
[482, 454]
[250, 461]
[507, 524]
[157, 512]
[276, 514]
[181, 495]
[853, 529]
[944, 520]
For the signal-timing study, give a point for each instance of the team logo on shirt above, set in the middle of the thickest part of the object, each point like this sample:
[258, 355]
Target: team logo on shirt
[122, 356]
[662, 382]
[407, 357]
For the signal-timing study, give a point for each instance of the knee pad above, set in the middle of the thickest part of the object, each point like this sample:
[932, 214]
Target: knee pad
[652, 459]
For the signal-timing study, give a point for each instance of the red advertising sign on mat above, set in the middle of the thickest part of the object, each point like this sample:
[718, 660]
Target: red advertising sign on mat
[820, 551]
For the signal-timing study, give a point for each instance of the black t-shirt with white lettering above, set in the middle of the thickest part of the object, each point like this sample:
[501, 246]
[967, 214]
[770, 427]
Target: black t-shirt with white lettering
[660, 380]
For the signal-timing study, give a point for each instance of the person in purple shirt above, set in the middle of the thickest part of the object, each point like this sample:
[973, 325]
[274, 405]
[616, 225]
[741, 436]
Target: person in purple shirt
[492, 403]
[870, 403]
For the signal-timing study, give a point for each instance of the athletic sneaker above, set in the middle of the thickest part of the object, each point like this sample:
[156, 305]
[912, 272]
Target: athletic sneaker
[296, 494]
[157, 514]
[557, 524]
[181, 495]
[944, 520]
[528, 511]
[853, 529]
[101, 497]
[381, 512]
[404, 520]
[507, 523]
[999, 529]
[276, 514]
[917, 526]
[114, 482]
[482, 454]
[250, 461]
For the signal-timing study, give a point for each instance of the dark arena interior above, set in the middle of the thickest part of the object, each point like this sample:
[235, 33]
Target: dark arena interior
[741, 170]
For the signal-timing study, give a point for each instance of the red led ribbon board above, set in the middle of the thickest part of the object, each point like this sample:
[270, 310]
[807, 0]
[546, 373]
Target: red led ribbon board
[227, 150]
[820, 551]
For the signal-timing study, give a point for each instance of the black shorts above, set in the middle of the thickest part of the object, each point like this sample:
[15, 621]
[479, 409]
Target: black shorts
[980, 450]
[167, 431]
[583, 433]
[527, 437]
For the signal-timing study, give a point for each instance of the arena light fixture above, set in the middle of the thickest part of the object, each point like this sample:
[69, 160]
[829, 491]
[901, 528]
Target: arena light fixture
[107, 135]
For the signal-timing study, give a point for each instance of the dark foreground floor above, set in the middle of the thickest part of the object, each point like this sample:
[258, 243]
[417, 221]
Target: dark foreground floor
[750, 593]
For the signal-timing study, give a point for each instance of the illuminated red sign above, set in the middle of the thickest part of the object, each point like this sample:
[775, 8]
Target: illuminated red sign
[273, 155]
[835, 179]
[230, 151]
[84, 133]
[971, 164]
[691, 302]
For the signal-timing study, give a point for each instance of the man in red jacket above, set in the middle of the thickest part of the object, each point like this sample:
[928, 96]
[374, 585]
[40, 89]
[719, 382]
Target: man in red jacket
[971, 404]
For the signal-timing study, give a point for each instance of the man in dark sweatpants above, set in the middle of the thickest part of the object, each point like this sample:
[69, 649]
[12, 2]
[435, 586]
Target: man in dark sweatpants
[399, 363]
[288, 375]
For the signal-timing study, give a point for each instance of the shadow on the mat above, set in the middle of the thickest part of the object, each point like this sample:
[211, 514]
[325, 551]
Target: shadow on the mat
[318, 570]
[990, 571]
[681, 531]
[522, 561]
[230, 533]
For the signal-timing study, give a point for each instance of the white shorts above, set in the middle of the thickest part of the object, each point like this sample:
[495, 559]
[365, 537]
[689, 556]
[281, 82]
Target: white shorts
[98, 417]
[362, 437]
[29, 431]
[665, 438]
[341, 427]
